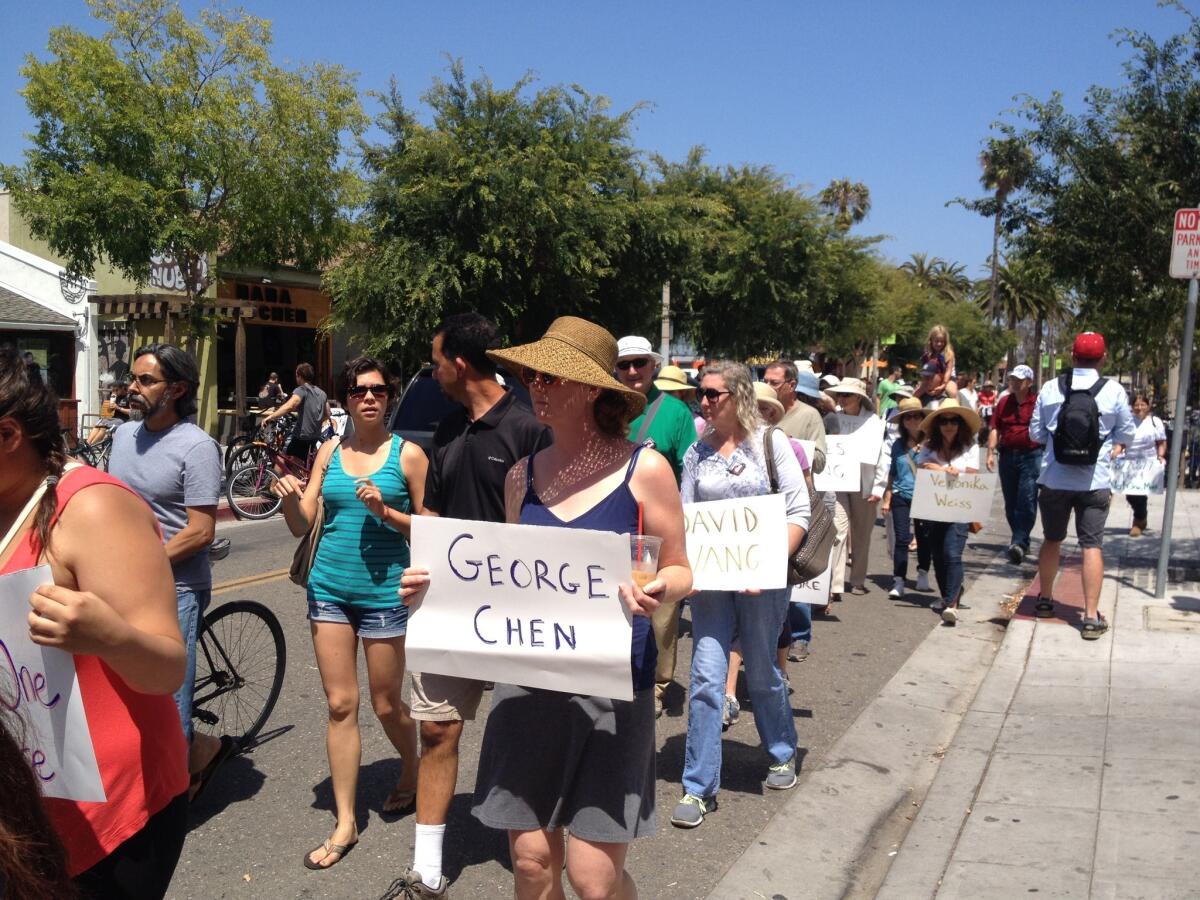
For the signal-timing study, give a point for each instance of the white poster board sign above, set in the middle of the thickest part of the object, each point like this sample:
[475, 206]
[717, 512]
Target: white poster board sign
[1137, 477]
[867, 440]
[523, 604]
[734, 545]
[940, 497]
[815, 591]
[39, 685]
[842, 470]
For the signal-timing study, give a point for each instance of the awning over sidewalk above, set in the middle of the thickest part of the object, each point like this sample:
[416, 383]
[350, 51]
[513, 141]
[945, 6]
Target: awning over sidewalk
[19, 313]
[157, 306]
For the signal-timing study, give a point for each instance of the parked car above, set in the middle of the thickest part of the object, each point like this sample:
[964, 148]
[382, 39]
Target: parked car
[422, 406]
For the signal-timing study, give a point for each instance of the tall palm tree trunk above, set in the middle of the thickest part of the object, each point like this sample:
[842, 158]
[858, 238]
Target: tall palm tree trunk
[1038, 324]
[995, 265]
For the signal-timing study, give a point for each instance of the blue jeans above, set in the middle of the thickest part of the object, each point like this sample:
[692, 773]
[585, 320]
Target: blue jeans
[799, 622]
[946, 540]
[1019, 471]
[902, 531]
[191, 603]
[758, 621]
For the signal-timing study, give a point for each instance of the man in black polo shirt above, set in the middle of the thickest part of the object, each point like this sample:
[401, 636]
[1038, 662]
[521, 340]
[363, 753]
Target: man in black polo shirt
[473, 449]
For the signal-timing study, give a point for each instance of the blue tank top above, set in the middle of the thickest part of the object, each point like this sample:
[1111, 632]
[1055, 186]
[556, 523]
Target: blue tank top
[360, 560]
[616, 512]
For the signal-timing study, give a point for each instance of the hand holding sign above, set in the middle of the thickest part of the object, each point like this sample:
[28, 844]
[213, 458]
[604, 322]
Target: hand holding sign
[74, 621]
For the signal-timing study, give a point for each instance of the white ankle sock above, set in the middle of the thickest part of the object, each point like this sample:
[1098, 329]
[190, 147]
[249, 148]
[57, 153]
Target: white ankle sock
[427, 857]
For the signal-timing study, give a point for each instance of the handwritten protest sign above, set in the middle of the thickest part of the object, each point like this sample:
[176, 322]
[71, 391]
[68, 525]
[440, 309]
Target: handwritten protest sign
[815, 590]
[737, 544]
[1137, 477]
[842, 469]
[39, 684]
[866, 440]
[940, 497]
[523, 604]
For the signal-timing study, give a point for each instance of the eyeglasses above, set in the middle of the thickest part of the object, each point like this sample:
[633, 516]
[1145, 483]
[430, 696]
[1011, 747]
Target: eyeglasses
[627, 364]
[359, 391]
[712, 395]
[150, 380]
[529, 376]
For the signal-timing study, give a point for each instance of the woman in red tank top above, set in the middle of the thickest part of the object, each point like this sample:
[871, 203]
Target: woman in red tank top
[112, 605]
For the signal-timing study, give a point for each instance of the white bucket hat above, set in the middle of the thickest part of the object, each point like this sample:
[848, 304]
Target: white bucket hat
[632, 346]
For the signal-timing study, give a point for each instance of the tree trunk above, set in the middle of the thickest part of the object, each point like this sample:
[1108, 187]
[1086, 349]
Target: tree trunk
[996, 267]
[1012, 326]
[1037, 347]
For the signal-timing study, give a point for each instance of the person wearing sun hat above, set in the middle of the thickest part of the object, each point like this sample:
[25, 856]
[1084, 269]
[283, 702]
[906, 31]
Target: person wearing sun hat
[1020, 458]
[1075, 481]
[897, 498]
[854, 516]
[552, 760]
[674, 381]
[668, 426]
[949, 447]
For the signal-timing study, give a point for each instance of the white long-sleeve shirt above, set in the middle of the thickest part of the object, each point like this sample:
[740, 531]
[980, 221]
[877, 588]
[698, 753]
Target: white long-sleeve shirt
[1117, 425]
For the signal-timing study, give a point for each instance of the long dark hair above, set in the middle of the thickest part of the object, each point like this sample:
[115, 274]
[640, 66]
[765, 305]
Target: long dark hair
[963, 439]
[33, 864]
[34, 405]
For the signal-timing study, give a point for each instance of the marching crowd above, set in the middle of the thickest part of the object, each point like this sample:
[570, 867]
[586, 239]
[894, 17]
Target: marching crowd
[613, 441]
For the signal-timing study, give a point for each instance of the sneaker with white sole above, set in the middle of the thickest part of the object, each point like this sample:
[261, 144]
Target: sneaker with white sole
[782, 776]
[691, 810]
[897, 590]
[949, 615]
[923, 580]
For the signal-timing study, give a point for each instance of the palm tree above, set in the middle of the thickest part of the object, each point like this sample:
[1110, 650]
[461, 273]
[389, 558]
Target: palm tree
[950, 280]
[847, 201]
[923, 271]
[1019, 290]
[1007, 164]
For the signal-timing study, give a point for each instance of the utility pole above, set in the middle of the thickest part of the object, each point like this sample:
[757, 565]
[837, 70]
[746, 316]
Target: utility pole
[665, 347]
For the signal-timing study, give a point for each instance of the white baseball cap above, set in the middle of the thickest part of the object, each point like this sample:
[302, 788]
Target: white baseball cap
[631, 345]
[1021, 372]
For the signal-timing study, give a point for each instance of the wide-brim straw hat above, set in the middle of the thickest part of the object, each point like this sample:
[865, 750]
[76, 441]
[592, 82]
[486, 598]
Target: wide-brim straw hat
[849, 386]
[951, 407]
[764, 393]
[905, 406]
[672, 379]
[577, 350]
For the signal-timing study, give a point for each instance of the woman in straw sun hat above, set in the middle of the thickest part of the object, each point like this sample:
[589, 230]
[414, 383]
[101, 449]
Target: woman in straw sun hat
[674, 381]
[855, 513]
[553, 760]
[949, 447]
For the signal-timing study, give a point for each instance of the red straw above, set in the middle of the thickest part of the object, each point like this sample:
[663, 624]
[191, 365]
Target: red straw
[641, 510]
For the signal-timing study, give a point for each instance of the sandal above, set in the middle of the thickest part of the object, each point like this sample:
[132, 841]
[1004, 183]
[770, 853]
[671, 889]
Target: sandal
[399, 802]
[200, 780]
[1044, 608]
[1093, 628]
[342, 850]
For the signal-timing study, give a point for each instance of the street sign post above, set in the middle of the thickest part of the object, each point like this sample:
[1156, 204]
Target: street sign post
[1185, 263]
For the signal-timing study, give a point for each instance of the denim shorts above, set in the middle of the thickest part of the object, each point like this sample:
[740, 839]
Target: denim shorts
[376, 624]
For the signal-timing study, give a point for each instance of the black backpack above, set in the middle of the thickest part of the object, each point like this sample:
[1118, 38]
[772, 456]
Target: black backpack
[1077, 439]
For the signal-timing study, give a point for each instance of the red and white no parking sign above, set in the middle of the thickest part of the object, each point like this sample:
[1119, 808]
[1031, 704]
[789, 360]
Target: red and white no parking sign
[1185, 244]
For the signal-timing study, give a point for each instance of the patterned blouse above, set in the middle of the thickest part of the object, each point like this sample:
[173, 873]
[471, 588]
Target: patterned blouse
[707, 475]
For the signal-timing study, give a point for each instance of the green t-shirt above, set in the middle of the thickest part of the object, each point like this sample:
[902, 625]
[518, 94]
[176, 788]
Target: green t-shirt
[672, 430]
[884, 392]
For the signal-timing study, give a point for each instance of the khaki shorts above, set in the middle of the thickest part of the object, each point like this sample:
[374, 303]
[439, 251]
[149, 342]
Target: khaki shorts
[445, 698]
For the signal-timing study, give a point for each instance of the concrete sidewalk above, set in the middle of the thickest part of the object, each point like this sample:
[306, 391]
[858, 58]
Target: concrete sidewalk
[1076, 770]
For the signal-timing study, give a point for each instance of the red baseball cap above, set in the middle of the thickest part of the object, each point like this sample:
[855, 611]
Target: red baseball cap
[1088, 345]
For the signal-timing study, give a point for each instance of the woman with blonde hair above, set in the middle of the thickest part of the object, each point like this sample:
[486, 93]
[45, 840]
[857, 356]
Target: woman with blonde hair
[730, 461]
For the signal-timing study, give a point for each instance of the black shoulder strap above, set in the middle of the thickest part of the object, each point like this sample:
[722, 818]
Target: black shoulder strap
[1064, 383]
[769, 453]
[1095, 389]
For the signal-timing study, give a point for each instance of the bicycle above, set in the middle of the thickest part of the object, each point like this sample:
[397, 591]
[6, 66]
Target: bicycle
[249, 448]
[241, 657]
[95, 455]
[249, 488]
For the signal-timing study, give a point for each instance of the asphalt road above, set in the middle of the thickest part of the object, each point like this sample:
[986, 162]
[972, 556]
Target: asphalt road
[267, 808]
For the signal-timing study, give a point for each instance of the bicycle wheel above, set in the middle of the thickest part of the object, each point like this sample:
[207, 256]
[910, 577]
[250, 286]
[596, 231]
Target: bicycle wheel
[248, 454]
[249, 492]
[101, 451]
[240, 661]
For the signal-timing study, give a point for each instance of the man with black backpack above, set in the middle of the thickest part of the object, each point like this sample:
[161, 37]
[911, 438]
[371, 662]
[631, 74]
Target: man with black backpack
[1079, 418]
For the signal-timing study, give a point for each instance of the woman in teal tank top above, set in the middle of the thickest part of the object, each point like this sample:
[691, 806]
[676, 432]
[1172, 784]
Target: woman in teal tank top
[371, 486]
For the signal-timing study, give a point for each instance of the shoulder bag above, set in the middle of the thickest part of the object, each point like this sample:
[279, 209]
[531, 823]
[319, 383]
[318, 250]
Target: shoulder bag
[306, 550]
[812, 556]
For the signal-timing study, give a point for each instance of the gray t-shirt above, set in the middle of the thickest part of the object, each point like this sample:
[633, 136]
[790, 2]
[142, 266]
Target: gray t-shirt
[312, 411]
[172, 470]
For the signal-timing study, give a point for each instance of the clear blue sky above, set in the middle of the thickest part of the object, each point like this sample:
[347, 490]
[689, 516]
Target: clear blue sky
[897, 95]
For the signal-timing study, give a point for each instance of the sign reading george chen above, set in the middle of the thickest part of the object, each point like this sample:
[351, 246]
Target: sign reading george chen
[523, 604]
[39, 685]
[1185, 244]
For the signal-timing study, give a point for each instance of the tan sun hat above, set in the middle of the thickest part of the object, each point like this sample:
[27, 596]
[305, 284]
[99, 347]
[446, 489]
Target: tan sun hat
[849, 386]
[574, 349]
[671, 379]
[951, 407]
[905, 406]
[764, 393]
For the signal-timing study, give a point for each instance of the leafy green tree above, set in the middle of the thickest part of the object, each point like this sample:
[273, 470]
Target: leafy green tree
[172, 136]
[521, 205]
[847, 201]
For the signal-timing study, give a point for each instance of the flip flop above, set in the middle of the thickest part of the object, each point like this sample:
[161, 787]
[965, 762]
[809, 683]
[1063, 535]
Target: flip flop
[200, 780]
[342, 850]
[404, 801]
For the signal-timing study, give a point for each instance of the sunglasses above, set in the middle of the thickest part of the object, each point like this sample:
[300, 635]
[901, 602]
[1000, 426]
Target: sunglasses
[375, 390]
[951, 420]
[149, 380]
[529, 376]
[712, 395]
[625, 365]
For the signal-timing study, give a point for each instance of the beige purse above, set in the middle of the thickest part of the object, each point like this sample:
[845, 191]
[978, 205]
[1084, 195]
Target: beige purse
[306, 550]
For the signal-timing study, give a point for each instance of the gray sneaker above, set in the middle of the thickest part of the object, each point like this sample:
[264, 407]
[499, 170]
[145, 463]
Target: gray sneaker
[799, 652]
[731, 712]
[691, 810]
[782, 776]
[409, 886]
